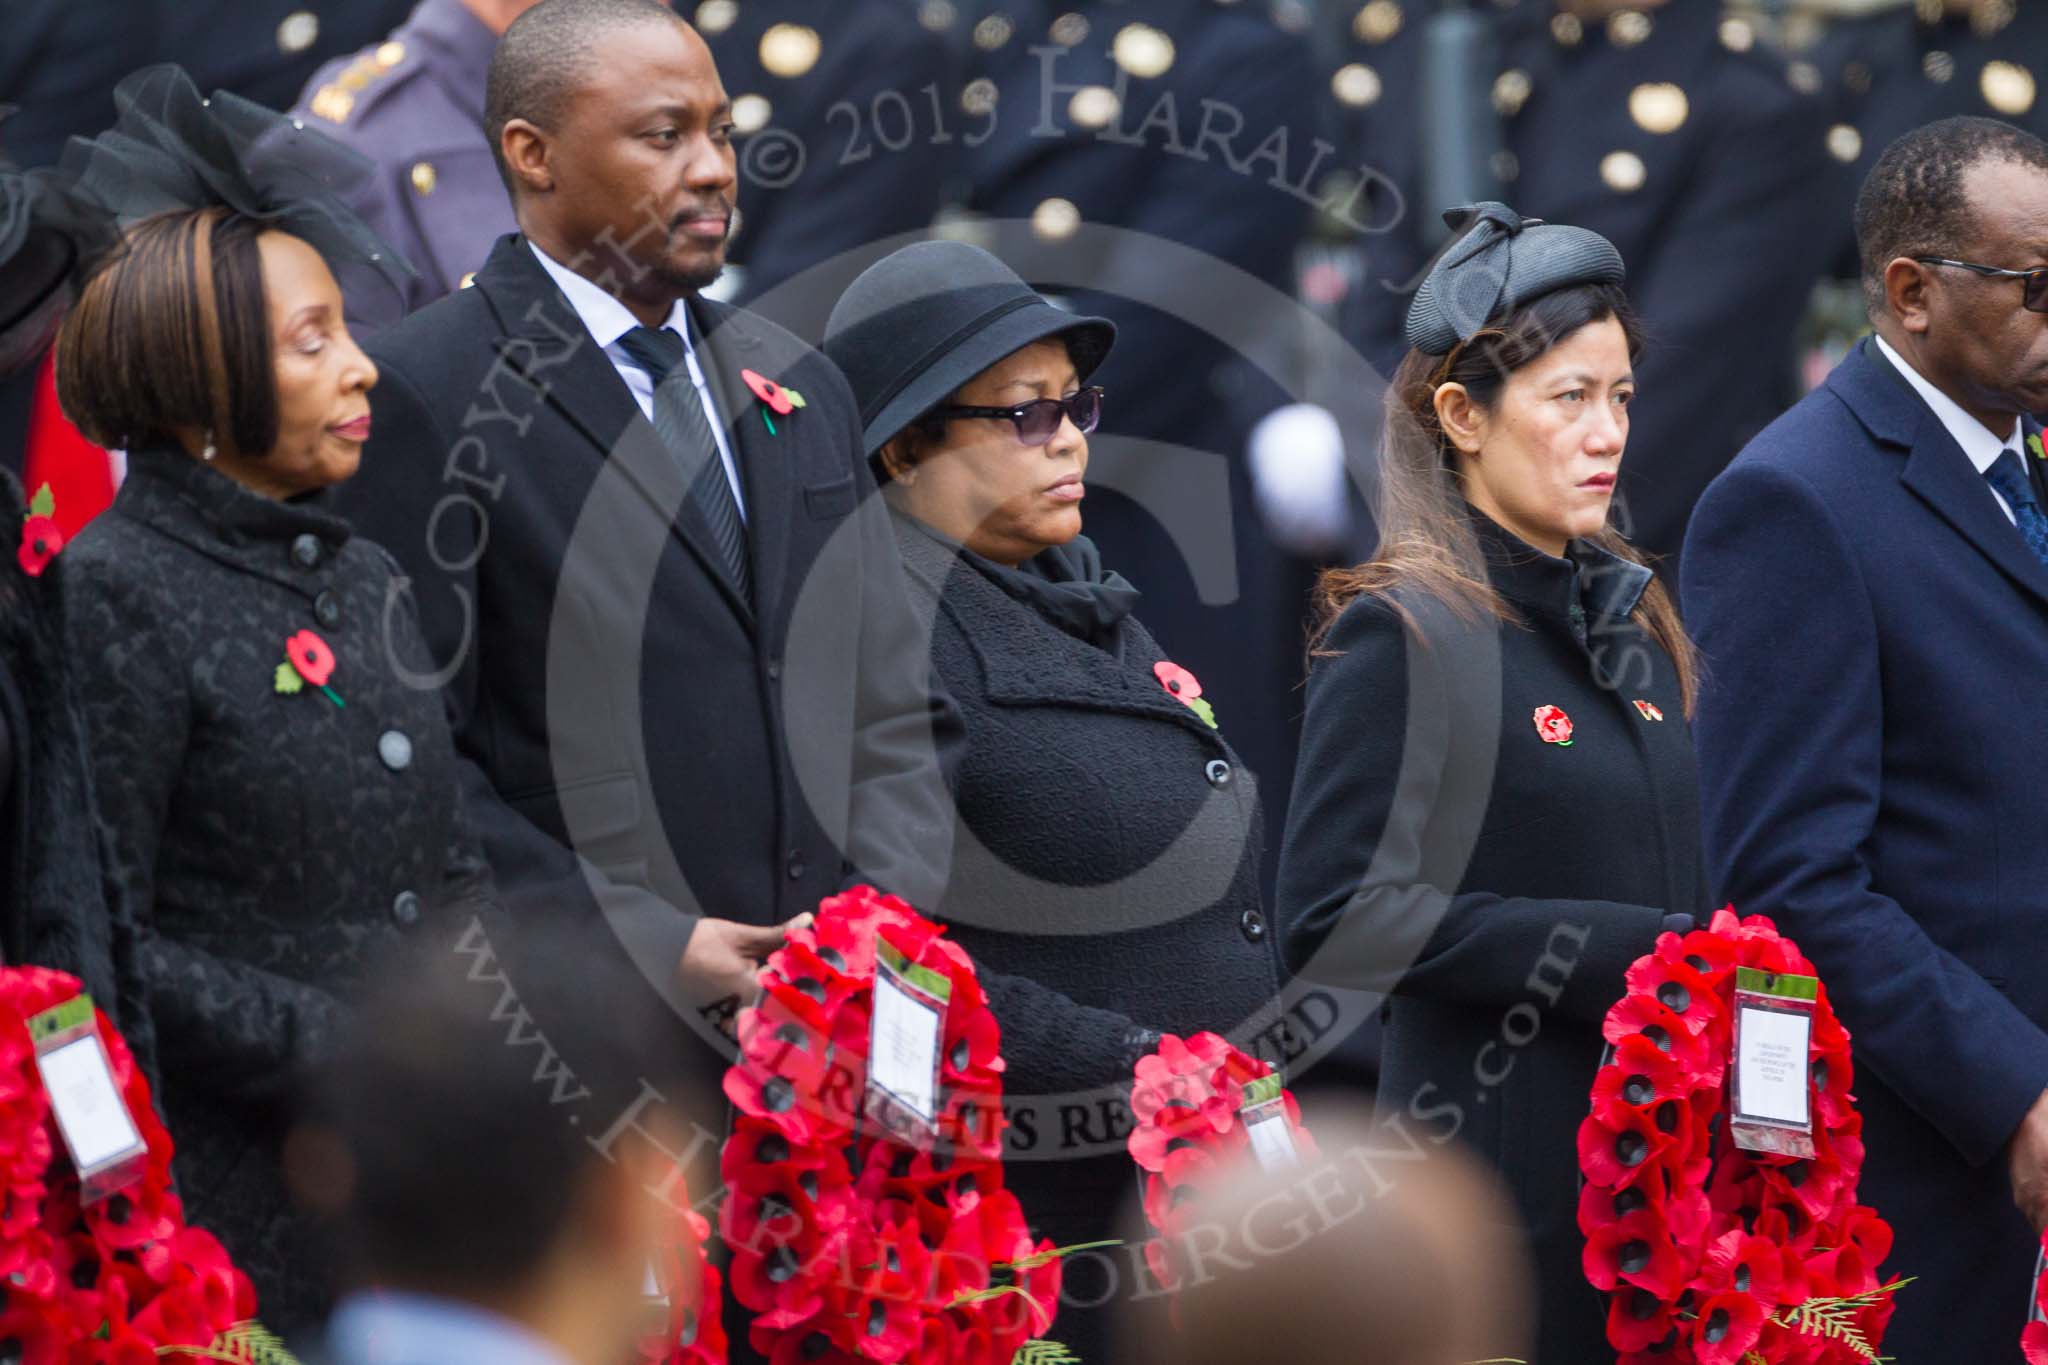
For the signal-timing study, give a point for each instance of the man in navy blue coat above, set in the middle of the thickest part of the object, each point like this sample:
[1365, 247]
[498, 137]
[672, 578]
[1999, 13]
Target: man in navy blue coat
[1868, 583]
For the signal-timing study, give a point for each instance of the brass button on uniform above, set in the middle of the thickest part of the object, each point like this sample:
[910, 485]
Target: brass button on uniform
[299, 31]
[424, 177]
[1623, 172]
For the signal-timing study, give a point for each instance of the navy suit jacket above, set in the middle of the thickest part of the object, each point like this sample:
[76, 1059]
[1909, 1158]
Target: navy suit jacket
[1873, 743]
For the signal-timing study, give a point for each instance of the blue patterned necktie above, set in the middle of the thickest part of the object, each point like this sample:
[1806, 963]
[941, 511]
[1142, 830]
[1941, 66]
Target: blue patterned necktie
[2008, 474]
[680, 420]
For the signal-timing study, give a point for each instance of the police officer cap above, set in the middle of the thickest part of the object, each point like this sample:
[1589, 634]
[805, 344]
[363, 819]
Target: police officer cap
[1501, 261]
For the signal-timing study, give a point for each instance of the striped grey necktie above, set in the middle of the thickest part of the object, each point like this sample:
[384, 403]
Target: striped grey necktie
[684, 428]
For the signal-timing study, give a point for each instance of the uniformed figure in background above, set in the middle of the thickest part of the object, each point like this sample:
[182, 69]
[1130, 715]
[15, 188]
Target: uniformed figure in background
[821, 91]
[60, 60]
[1913, 62]
[414, 104]
[1077, 162]
[1672, 131]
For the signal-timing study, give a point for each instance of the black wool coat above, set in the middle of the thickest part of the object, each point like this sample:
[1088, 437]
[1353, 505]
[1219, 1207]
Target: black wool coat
[271, 843]
[60, 908]
[1494, 884]
[639, 739]
[1105, 879]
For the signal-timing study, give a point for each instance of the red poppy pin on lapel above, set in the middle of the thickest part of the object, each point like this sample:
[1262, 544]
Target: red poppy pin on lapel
[40, 536]
[1553, 726]
[774, 398]
[1649, 709]
[307, 660]
[1182, 685]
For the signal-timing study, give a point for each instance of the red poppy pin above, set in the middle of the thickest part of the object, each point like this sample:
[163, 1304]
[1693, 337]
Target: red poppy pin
[1553, 726]
[1649, 709]
[1183, 686]
[774, 397]
[307, 659]
[40, 536]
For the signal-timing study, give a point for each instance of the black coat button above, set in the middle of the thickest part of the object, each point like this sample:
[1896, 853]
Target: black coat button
[405, 910]
[796, 866]
[327, 610]
[1252, 924]
[306, 550]
[1218, 773]
[395, 749]
[775, 670]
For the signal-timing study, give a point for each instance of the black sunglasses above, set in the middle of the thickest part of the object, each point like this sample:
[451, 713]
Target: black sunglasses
[1039, 420]
[2035, 297]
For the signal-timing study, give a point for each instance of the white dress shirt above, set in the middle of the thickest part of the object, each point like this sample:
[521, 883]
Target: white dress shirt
[608, 320]
[390, 1327]
[1976, 439]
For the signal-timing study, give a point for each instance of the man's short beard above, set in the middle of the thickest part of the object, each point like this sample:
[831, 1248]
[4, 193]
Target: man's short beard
[688, 281]
[691, 281]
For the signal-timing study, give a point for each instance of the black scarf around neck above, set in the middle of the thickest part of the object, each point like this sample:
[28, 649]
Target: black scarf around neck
[1065, 584]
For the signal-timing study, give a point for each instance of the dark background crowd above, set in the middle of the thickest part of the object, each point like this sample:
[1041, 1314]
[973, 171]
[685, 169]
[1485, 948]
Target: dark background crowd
[1718, 146]
[1289, 154]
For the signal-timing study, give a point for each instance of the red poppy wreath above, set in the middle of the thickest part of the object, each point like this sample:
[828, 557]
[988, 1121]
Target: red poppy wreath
[694, 1332]
[101, 1269]
[854, 1240]
[1202, 1107]
[1711, 1253]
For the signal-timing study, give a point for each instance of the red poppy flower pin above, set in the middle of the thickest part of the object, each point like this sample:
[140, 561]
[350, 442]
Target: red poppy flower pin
[1553, 726]
[1649, 709]
[774, 397]
[1183, 686]
[307, 659]
[40, 536]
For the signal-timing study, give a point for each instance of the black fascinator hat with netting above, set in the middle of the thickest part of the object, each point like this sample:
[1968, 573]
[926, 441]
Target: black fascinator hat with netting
[171, 149]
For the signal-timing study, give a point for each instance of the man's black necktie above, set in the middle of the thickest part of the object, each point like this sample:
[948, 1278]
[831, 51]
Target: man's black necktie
[680, 420]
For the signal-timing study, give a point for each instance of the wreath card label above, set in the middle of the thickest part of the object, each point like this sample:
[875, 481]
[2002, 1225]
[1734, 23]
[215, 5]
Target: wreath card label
[105, 1145]
[903, 1042]
[1773, 1032]
[1264, 1115]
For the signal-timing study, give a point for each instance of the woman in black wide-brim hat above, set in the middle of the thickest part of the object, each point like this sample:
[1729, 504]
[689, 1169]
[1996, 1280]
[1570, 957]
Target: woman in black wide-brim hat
[1496, 808]
[1105, 861]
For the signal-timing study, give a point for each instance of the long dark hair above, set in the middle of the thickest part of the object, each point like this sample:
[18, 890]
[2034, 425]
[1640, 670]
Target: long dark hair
[1427, 545]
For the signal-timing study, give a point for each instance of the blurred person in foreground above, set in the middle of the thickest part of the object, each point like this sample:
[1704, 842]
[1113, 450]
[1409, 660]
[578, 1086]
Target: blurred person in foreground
[1497, 807]
[482, 1217]
[1337, 1261]
[1869, 581]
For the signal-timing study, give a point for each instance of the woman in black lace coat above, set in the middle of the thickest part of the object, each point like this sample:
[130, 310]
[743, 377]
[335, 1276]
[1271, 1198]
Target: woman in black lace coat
[270, 758]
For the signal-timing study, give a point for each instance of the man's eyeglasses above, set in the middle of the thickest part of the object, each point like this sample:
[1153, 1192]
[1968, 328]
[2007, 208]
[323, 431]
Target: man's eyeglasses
[1039, 420]
[2035, 297]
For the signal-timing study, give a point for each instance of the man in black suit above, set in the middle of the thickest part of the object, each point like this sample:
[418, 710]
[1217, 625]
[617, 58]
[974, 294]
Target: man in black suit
[667, 611]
